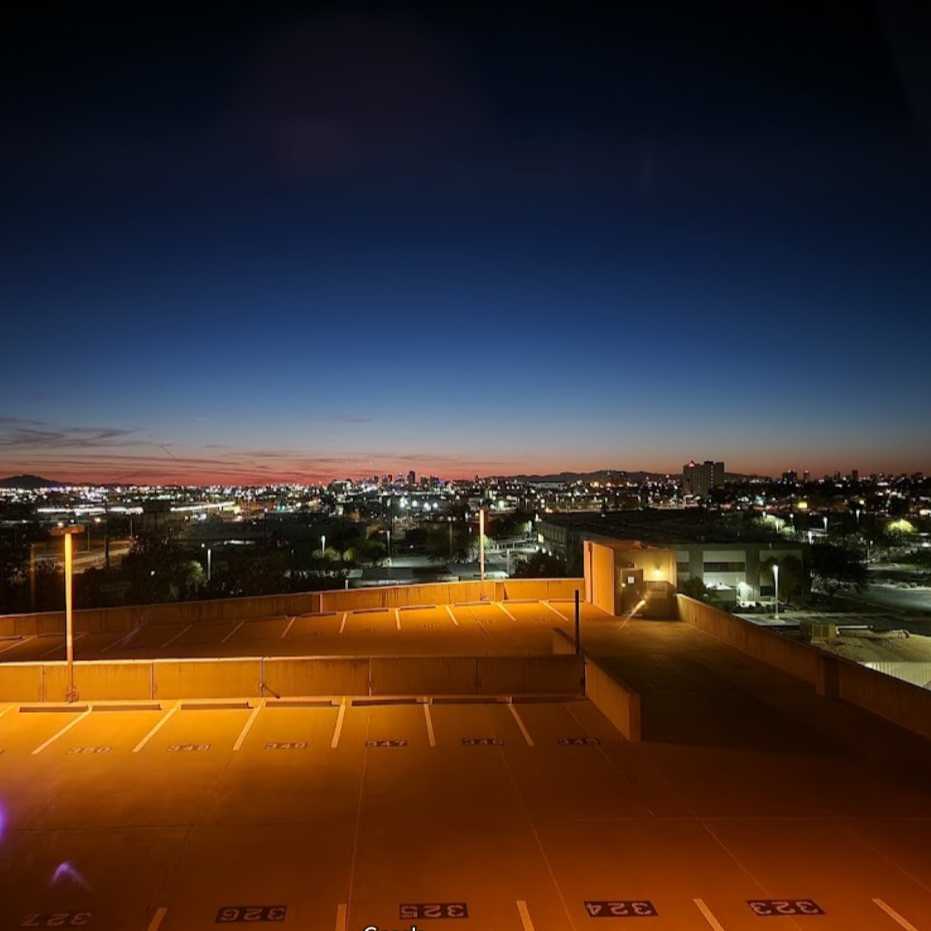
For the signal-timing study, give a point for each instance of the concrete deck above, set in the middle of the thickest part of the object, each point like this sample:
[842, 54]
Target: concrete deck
[475, 629]
[746, 787]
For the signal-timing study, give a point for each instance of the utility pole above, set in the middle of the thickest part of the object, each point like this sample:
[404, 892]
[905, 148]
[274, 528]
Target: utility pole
[481, 542]
[67, 533]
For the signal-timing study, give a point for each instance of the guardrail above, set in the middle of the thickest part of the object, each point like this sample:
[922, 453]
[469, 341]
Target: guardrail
[292, 676]
[900, 702]
[125, 618]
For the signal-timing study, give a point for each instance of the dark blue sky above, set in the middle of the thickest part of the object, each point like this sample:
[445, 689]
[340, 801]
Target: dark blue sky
[476, 240]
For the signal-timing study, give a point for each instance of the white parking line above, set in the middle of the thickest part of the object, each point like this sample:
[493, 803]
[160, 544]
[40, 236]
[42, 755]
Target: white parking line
[233, 631]
[334, 743]
[430, 735]
[18, 642]
[176, 636]
[158, 918]
[558, 614]
[524, 915]
[291, 621]
[397, 618]
[452, 617]
[121, 641]
[5, 710]
[340, 918]
[64, 730]
[520, 724]
[159, 724]
[62, 646]
[342, 623]
[895, 916]
[248, 725]
[708, 915]
[506, 612]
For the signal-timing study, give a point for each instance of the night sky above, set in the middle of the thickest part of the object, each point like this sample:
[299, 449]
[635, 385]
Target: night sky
[368, 239]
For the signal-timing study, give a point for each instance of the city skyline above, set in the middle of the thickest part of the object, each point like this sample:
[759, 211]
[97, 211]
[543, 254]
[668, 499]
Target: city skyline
[167, 465]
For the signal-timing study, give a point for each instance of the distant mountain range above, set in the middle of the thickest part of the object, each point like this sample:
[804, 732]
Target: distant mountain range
[601, 475]
[611, 475]
[29, 481]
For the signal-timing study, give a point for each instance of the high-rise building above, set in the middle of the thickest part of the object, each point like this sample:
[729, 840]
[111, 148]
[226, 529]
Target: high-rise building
[412, 477]
[700, 478]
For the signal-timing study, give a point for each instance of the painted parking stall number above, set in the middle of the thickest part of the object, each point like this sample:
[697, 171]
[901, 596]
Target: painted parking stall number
[626, 908]
[287, 745]
[387, 742]
[188, 748]
[578, 741]
[775, 908]
[231, 914]
[482, 742]
[57, 920]
[90, 750]
[435, 910]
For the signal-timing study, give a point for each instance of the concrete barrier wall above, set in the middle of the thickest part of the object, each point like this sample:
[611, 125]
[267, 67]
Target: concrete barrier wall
[22, 682]
[902, 703]
[796, 659]
[616, 701]
[117, 620]
[291, 676]
[414, 675]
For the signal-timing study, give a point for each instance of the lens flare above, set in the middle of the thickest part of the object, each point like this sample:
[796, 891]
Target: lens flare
[65, 870]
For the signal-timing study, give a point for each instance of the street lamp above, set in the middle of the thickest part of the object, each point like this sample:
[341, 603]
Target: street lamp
[209, 561]
[481, 543]
[323, 545]
[825, 523]
[389, 546]
[67, 533]
[776, 577]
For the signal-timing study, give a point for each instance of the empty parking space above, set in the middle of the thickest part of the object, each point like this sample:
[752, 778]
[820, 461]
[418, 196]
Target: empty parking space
[481, 813]
[479, 628]
[389, 806]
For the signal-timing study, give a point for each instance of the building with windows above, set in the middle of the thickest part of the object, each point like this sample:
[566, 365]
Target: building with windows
[699, 478]
[737, 570]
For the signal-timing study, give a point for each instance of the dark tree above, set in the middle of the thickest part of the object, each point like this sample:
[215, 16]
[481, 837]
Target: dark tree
[835, 566]
[540, 566]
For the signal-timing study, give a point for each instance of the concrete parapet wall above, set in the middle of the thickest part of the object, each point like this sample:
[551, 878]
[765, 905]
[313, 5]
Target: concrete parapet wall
[796, 659]
[897, 701]
[512, 675]
[22, 682]
[900, 702]
[291, 676]
[295, 676]
[616, 701]
[117, 620]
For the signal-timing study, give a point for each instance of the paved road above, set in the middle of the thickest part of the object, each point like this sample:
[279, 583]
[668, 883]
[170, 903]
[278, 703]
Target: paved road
[747, 787]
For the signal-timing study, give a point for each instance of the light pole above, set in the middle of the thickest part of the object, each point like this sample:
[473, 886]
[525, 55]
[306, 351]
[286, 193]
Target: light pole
[67, 533]
[825, 524]
[776, 577]
[389, 546]
[323, 545]
[481, 543]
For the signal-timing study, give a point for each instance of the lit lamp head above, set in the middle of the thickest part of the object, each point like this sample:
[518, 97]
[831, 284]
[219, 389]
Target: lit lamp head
[67, 530]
